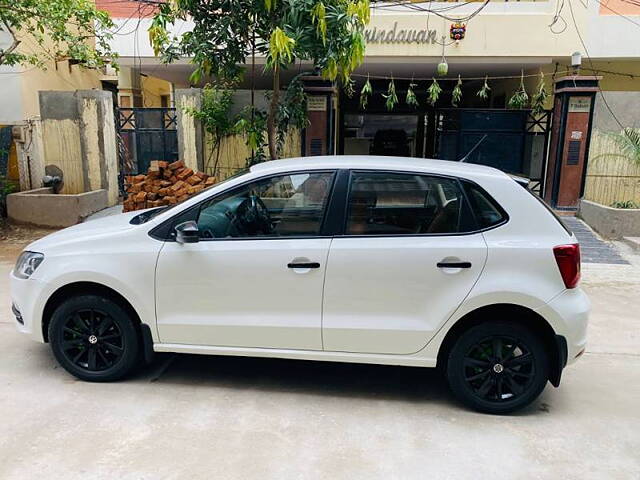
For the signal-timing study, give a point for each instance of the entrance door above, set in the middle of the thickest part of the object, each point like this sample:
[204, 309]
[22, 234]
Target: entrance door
[403, 266]
[255, 277]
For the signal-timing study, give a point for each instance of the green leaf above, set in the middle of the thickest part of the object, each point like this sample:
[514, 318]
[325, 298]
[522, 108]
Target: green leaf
[628, 141]
[456, 94]
[520, 98]
[61, 29]
[391, 97]
[318, 14]
[411, 98]
[280, 47]
[433, 92]
[540, 97]
[483, 93]
[365, 93]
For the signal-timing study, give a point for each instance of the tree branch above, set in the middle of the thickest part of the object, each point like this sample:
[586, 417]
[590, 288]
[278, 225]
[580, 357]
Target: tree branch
[5, 53]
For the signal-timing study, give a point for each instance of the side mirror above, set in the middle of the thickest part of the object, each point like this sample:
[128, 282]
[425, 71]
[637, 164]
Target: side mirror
[187, 232]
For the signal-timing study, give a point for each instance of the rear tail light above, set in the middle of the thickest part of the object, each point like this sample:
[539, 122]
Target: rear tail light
[568, 260]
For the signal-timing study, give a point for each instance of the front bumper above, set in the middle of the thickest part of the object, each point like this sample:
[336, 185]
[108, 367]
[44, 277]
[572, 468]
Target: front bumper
[568, 314]
[26, 298]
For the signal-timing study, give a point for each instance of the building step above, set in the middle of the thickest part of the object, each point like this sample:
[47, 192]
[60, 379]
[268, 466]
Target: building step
[633, 242]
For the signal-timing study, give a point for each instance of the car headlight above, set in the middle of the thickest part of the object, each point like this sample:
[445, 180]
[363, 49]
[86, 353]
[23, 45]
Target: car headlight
[27, 264]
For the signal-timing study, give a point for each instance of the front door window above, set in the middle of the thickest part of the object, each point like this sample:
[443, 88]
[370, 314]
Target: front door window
[291, 205]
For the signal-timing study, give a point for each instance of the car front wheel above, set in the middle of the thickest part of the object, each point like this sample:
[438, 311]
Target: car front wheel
[93, 338]
[497, 367]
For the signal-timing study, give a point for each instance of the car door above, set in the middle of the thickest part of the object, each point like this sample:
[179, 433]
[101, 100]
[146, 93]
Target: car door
[252, 279]
[406, 261]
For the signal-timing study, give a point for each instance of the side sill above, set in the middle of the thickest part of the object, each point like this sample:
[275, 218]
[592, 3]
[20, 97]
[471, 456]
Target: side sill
[408, 361]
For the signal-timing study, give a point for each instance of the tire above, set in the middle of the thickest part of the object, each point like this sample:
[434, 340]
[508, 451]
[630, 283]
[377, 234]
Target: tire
[94, 338]
[497, 367]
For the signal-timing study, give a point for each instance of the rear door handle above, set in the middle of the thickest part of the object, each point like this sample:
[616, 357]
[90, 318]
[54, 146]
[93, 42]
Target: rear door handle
[453, 264]
[303, 265]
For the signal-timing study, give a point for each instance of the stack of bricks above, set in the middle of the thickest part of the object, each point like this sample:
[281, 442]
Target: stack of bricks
[164, 184]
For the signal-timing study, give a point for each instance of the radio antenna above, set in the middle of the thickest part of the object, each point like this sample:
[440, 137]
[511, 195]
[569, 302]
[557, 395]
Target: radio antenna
[473, 149]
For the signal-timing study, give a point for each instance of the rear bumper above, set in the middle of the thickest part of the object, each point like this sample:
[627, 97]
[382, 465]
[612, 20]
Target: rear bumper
[568, 314]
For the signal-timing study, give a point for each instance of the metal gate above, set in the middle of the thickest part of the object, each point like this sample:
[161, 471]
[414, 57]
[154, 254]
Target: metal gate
[145, 134]
[517, 140]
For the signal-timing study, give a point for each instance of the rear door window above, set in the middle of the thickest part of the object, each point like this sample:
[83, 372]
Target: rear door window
[390, 203]
[486, 210]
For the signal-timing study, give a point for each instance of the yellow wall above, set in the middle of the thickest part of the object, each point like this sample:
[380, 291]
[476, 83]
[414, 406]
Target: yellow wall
[152, 89]
[56, 77]
[53, 76]
[12, 160]
[62, 148]
[616, 82]
[234, 153]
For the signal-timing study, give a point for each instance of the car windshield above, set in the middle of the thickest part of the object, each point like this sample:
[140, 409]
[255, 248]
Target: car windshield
[149, 214]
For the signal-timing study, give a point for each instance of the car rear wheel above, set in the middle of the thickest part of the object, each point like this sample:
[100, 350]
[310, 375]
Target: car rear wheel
[94, 338]
[497, 367]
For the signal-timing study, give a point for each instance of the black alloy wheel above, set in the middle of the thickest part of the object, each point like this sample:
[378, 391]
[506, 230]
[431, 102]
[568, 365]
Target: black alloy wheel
[93, 338]
[497, 367]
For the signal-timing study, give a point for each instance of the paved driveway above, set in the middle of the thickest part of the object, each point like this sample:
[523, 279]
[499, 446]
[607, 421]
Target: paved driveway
[218, 418]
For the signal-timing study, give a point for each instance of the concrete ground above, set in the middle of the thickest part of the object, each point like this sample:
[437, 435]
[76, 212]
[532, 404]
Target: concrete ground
[214, 417]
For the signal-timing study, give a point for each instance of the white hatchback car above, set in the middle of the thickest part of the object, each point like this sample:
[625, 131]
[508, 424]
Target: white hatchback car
[396, 261]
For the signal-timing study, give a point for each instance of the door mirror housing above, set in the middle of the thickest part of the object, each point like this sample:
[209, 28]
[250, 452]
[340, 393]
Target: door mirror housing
[187, 232]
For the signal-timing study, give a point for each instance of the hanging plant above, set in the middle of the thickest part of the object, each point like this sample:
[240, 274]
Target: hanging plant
[411, 99]
[519, 99]
[392, 98]
[456, 95]
[348, 87]
[483, 93]
[365, 93]
[433, 92]
[540, 97]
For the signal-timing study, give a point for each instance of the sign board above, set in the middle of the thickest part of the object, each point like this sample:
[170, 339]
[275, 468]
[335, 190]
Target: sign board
[316, 104]
[400, 35]
[579, 104]
[576, 135]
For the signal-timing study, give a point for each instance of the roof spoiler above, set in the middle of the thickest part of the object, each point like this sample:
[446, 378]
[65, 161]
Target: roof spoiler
[520, 180]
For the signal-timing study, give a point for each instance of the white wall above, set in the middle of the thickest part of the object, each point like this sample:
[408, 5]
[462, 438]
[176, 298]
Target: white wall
[10, 93]
[608, 36]
[11, 108]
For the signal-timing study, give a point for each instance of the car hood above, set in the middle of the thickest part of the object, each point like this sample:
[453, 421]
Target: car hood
[91, 230]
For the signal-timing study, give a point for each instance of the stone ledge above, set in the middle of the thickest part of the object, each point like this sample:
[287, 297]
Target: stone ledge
[43, 208]
[611, 223]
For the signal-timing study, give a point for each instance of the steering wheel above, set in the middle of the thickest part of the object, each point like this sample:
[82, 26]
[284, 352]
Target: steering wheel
[254, 216]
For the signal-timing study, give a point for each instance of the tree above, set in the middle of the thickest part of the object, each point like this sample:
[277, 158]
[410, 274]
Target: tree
[328, 33]
[61, 29]
[628, 141]
[215, 115]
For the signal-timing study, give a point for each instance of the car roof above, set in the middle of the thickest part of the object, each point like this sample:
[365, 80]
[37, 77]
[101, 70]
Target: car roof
[372, 162]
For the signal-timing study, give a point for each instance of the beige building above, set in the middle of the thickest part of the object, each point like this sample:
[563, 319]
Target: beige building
[504, 42]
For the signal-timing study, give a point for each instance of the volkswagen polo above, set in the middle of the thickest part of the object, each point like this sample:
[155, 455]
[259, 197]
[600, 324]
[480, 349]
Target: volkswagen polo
[396, 261]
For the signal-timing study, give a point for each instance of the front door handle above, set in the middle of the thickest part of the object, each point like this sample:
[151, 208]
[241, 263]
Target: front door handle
[303, 265]
[453, 264]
